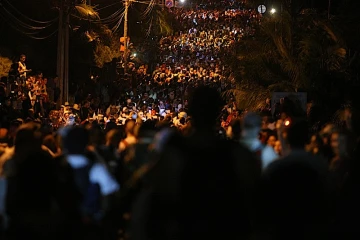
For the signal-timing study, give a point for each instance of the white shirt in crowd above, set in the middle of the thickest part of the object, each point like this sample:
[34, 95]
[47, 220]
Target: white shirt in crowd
[268, 154]
[98, 174]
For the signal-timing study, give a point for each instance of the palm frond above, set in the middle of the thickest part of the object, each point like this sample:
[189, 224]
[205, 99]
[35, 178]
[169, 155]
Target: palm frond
[330, 32]
[87, 12]
[102, 55]
[250, 99]
[5, 65]
[163, 23]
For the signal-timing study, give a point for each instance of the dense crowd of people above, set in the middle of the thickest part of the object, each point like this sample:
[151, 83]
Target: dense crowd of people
[156, 180]
[172, 159]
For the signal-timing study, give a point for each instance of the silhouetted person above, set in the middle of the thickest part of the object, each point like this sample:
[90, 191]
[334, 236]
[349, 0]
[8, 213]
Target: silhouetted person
[348, 208]
[95, 185]
[135, 160]
[31, 192]
[234, 130]
[203, 185]
[295, 199]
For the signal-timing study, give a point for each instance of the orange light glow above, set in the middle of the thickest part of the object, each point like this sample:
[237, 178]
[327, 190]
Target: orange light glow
[287, 123]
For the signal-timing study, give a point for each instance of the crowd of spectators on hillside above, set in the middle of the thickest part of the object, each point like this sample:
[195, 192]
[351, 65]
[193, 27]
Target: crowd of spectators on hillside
[171, 158]
[191, 57]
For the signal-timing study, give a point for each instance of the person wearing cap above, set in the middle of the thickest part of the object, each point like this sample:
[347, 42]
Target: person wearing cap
[76, 112]
[251, 127]
[65, 105]
[76, 107]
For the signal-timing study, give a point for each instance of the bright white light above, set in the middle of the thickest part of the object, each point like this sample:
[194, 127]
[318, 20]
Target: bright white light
[182, 1]
[134, 54]
[273, 10]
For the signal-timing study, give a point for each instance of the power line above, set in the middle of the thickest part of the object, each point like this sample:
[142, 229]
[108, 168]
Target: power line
[144, 2]
[116, 27]
[113, 4]
[115, 16]
[6, 19]
[149, 8]
[28, 18]
[28, 34]
[46, 37]
[21, 23]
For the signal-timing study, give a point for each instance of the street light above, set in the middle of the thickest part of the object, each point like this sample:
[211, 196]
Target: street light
[182, 1]
[273, 10]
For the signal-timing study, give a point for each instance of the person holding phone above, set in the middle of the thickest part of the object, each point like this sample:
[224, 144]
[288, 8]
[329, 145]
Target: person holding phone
[22, 67]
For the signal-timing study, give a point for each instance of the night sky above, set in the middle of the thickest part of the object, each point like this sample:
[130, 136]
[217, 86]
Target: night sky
[41, 54]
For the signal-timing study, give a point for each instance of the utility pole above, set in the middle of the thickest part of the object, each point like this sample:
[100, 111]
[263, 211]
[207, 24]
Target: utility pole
[127, 4]
[66, 56]
[60, 52]
[63, 52]
[329, 9]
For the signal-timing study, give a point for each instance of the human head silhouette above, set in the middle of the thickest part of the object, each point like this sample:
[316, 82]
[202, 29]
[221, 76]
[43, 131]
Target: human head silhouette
[76, 140]
[204, 107]
[251, 125]
[28, 138]
[297, 134]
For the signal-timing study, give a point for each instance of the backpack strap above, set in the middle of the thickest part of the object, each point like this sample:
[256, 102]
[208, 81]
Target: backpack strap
[90, 192]
[258, 151]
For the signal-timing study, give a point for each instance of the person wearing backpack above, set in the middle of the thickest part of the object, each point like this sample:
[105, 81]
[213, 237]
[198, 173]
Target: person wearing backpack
[96, 186]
